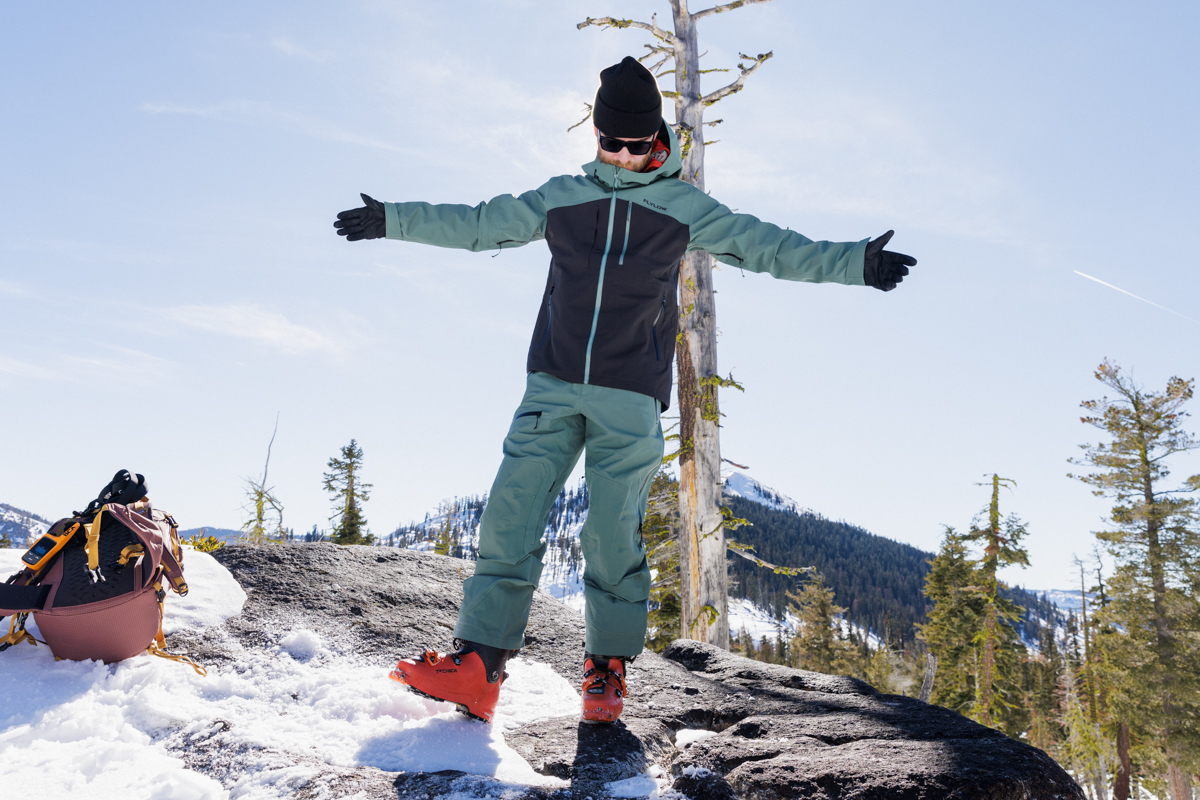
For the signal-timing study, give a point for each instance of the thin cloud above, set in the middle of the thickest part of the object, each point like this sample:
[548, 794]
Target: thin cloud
[1134, 296]
[257, 324]
[10, 289]
[22, 369]
[249, 112]
[290, 48]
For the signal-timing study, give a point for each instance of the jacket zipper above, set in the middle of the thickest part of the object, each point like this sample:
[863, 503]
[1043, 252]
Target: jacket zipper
[612, 213]
[549, 318]
[628, 216]
[654, 329]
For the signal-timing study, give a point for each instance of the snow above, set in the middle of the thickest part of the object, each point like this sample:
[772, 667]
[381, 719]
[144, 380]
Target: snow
[740, 485]
[303, 696]
[685, 737]
[21, 527]
[757, 621]
[652, 784]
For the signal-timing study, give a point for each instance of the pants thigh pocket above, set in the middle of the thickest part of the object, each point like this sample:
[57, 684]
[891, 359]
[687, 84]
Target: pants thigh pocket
[509, 528]
[609, 538]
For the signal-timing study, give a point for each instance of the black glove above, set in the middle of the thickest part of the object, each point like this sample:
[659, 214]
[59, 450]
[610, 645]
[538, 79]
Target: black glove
[362, 223]
[882, 269]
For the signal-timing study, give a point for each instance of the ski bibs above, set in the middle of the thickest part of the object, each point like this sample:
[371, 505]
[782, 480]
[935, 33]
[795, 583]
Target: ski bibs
[609, 314]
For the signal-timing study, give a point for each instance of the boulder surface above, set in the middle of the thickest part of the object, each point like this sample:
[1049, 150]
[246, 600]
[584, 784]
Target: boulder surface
[758, 730]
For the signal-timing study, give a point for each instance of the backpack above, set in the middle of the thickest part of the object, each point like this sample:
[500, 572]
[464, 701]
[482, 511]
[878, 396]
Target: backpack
[94, 581]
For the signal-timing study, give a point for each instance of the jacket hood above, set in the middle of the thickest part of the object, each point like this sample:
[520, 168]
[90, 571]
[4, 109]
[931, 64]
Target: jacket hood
[610, 175]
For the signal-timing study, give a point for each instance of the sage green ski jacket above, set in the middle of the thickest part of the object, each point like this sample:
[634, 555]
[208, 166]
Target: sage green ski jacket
[609, 314]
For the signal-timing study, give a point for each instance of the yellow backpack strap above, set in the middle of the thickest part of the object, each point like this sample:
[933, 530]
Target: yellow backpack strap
[159, 645]
[130, 552]
[93, 545]
[17, 632]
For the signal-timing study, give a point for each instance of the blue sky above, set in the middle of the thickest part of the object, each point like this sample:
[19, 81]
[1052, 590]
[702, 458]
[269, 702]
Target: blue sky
[170, 279]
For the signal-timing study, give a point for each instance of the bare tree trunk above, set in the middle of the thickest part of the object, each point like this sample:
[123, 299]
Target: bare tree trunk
[1179, 782]
[702, 549]
[1124, 764]
[705, 607]
[931, 664]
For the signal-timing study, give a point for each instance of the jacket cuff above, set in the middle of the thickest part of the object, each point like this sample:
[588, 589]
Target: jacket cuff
[391, 219]
[857, 264]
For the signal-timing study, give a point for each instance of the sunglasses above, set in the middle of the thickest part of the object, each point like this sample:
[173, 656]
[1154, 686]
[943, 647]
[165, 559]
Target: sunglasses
[610, 145]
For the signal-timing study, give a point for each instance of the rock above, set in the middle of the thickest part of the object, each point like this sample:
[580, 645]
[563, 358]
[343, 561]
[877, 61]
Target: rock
[779, 732]
[872, 746]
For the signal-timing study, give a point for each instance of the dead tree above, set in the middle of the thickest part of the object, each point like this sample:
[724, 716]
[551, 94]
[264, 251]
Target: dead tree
[702, 537]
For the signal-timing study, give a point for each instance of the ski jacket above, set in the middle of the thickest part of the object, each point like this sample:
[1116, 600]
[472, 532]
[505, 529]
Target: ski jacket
[609, 314]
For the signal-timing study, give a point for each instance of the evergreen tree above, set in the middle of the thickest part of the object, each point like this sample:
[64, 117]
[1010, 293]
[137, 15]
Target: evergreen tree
[997, 638]
[957, 614]
[1156, 546]
[344, 482]
[818, 645]
[1083, 749]
[443, 545]
[660, 528]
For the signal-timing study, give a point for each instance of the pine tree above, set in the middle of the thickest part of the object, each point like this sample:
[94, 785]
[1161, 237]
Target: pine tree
[344, 482]
[443, 545]
[660, 529]
[997, 638]
[1156, 546]
[1083, 749]
[957, 614]
[817, 645]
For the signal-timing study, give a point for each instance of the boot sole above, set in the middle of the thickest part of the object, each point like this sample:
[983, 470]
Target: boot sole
[459, 707]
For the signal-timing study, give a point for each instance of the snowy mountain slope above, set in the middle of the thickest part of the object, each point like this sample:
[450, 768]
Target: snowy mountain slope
[21, 526]
[740, 485]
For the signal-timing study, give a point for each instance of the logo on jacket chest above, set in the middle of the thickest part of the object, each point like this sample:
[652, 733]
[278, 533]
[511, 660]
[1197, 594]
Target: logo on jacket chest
[654, 205]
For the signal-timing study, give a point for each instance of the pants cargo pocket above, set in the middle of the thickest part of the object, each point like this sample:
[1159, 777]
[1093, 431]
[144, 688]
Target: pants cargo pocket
[513, 508]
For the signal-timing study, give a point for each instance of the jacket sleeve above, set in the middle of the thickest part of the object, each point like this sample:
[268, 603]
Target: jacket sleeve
[742, 240]
[501, 222]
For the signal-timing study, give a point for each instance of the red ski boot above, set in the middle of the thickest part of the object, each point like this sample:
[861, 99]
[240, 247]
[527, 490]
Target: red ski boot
[603, 688]
[470, 678]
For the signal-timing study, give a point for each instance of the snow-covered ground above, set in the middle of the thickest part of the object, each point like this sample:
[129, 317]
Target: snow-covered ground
[74, 729]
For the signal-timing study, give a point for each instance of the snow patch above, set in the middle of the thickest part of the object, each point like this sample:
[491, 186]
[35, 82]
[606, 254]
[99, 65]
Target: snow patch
[302, 644]
[71, 727]
[687, 736]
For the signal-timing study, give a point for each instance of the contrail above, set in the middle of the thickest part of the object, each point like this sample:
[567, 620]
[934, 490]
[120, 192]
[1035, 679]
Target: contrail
[1135, 297]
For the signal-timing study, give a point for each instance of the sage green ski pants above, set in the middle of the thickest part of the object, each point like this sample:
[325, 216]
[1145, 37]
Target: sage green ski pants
[556, 421]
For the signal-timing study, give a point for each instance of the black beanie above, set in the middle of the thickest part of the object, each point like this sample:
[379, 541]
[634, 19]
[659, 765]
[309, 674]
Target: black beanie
[628, 103]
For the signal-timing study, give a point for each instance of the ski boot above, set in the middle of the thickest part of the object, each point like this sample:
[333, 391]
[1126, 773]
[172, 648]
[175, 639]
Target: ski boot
[603, 688]
[470, 678]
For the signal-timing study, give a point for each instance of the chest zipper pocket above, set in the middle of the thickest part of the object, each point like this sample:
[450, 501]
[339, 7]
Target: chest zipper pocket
[549, 318]
[654, 328]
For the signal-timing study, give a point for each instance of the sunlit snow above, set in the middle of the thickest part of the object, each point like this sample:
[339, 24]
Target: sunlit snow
[110, 723]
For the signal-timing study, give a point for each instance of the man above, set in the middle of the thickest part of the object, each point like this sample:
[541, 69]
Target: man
[599, 376]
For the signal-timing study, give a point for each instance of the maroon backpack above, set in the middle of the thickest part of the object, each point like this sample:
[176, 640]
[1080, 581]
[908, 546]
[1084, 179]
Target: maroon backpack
[94, 581]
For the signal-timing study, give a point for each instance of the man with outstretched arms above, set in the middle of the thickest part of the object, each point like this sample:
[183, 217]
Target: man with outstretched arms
[599, 376]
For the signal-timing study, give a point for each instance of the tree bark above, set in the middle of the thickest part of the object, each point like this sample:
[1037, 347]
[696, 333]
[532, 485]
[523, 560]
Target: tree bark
[705, 606]
[1124, 764]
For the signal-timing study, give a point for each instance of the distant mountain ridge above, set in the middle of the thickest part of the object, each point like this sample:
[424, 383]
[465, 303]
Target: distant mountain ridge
[19, 526]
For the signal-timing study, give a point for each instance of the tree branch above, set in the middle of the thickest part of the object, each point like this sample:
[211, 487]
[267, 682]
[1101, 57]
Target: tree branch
[708, 12]
[611, 22]
[586, 117]
[736, 86]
